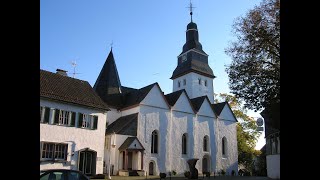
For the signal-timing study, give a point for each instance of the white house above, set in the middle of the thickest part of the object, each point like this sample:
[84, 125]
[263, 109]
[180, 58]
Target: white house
[149, 132]
[72, 124]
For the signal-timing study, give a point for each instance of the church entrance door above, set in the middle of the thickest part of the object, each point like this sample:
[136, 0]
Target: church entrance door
[129, 160]
[205, 164]
[151, 168]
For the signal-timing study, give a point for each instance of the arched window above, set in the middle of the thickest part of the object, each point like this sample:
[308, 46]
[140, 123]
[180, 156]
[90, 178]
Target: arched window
[224, 146]
[179, 83]
[205, 82]
[184, 82]
[199, 79]
[184, 143]
[205, 143]
[154, 142]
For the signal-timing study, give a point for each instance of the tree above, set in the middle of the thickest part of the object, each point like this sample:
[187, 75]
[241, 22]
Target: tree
[254, 73]
[247, 134]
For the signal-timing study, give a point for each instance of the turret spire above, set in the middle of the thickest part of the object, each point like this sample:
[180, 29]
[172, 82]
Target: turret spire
[190, 8]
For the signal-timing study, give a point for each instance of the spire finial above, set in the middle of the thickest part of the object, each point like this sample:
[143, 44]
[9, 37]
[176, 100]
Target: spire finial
[190, 8]
[111, 44]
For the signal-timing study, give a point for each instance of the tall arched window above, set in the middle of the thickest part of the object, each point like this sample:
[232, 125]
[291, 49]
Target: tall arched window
[184, 143]
[224, 146]
[154, 142]
[205, 143]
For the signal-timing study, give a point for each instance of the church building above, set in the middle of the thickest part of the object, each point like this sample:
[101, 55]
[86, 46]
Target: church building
[150, 132]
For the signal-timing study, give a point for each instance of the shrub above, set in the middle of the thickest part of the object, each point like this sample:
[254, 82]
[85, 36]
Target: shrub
[233, 173]
[174, 172]
[163, 175]
[186, 174]
[223, 172]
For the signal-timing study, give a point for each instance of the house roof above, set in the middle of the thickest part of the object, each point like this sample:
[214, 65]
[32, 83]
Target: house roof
[125, 125]
[125, 145]
[70, 90]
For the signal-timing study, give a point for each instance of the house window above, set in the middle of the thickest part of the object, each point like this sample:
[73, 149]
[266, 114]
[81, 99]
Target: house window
[44, 114]
[63, 117]
[87, 121]
[154, 142]
[199, 80]
[184, 143]
[184, 82]
[205, 82]
[54, 151]
[224, 146]
[179, 83]
[205, 143]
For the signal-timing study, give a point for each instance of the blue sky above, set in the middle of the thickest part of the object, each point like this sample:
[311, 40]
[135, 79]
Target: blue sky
[147, 37]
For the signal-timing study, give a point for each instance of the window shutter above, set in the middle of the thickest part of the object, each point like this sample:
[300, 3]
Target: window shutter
[41, 109]
[95, 122]
[41, 147]
[46, 115]
[73, 119]
[80, 120]
[56, 116]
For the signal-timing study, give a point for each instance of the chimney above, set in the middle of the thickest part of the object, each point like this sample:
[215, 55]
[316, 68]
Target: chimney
[62, 72]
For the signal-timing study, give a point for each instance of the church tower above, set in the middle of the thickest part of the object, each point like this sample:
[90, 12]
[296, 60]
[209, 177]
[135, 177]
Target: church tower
[193, 72]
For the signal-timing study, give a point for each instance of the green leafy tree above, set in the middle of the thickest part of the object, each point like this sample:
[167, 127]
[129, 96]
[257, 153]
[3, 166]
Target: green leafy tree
[247, 134]
[254, 73]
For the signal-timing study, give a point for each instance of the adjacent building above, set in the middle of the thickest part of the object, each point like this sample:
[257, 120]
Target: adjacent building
[72, 124]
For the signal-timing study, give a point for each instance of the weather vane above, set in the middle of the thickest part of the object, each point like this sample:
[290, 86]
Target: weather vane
[190, 8]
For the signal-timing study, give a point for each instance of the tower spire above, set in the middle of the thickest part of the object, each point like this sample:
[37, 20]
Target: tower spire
[190, 8]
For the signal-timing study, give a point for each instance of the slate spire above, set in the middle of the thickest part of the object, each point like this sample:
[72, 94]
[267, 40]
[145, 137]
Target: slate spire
[108, 81]
[192, 58]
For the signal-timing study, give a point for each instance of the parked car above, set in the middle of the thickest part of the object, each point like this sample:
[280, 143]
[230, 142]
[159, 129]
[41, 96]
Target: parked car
[62, 174]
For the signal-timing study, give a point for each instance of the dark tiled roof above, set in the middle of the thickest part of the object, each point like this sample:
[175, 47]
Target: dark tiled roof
[128, 142]
[193, 66]
[70, 90]
[135, 96]
[173, 97]
[108, 85]
[126, 90]
[126, 125]
[197, 102]
[218, 107]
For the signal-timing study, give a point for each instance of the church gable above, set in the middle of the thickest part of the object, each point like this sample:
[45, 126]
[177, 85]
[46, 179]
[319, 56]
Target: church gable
[227, 114]
[206, 109]
[131, 143]
[155, 98]
[183, 104]
[135, 145]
